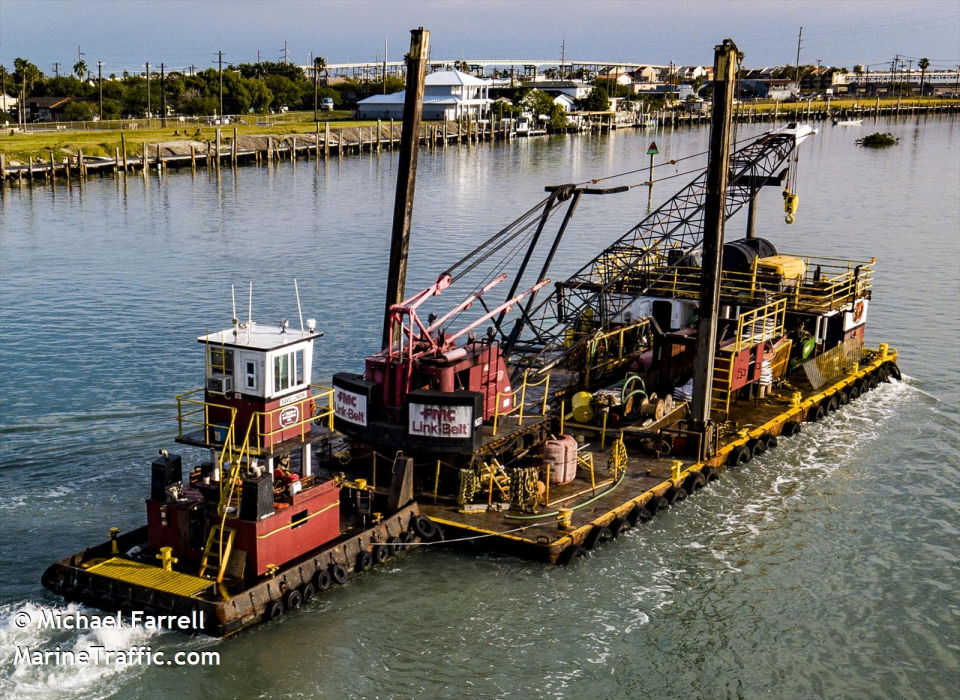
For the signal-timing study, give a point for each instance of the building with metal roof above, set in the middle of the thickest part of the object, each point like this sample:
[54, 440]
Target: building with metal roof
[449, 94]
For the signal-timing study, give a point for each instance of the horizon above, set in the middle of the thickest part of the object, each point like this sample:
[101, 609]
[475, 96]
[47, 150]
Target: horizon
[182, 33]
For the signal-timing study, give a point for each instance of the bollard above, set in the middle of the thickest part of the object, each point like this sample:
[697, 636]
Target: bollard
[114, 531]
[675, 468]
[564, 518]
[884, 350]
[167, 560]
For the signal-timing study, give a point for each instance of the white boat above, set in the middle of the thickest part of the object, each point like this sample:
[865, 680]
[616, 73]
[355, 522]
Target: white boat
[847, 122]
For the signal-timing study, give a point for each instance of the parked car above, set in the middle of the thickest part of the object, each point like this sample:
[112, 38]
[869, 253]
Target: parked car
[326, 104]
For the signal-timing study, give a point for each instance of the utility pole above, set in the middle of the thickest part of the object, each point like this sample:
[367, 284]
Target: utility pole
[563, 56]
[220, 58]
[893, 70]
[284, 52]
[386, 47]
[148, 91]
[163, 99]
[316, 82]
[56, 69]
[100, 83]
[796, 74]
[718, 169]
[406, 176]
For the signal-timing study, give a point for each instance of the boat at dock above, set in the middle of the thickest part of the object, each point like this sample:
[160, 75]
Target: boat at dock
[847, 122]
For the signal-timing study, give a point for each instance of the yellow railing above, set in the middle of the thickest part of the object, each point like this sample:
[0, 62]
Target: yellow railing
[608, 350]
[827, 284]
[190, 410]
[759, 325]
[518, 407]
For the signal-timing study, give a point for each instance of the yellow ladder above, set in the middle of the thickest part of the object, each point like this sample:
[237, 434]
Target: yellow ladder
[216, 553]
[722, 381]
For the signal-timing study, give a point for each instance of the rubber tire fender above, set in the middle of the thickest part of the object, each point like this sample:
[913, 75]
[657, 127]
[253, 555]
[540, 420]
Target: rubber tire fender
[364, 562]
[710, 474]
[338, 573]
[833, 403]
[618, 525]
[108, 603]
[790, 429]
[322, 580]
[893, 371]
[815, 414]
[308, 592]
[738, 456]
[88, 598]
[853, 393]
[70, 595]
[274, 610]
[407, 537]
[639, 514]
[395, 547]
[381, 553]
[772, 441]
[874, 382]
[569, 554]
[598, 535]
[425, 528]
[843, 398]
[293, 599]
[656, 504]
[695, 482]
[882, 375]
[676, 495]
[757, 448]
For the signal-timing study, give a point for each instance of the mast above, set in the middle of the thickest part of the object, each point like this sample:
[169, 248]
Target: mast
[718, 168]
[406, 176]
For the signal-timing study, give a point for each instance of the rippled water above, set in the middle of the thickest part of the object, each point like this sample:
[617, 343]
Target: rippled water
[827, 568]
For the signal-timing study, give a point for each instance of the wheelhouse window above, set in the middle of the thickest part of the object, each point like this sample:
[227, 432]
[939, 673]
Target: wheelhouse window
[221, 361]
[288, 371]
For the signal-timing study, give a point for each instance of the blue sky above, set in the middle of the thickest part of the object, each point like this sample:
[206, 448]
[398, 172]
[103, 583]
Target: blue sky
[126, 33]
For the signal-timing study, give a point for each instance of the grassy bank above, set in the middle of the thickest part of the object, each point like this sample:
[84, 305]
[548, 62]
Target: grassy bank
[762, 106]
[103, 143]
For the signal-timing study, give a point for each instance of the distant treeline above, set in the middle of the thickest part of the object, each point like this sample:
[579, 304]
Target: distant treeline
[260, 87]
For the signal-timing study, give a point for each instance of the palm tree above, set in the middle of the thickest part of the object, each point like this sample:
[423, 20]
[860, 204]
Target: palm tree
[923, 64]
[319, 64]
[80, 68]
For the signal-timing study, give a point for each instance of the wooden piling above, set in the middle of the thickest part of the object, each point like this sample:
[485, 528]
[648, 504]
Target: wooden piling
[193, 159]
[393, 135]
[80, 164]
[326, 140]
[233, 148]
[293, 150]
[53, 169]
[159, 161]
[116, 159]
[123, 151]
[379, 134]
[316, 143]
[3, 168]
[30, 168]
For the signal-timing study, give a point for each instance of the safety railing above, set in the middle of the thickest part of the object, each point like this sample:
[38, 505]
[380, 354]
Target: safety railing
[827, 283]
[760, 325]
[265, 434]
[608, 350]
[519, 406]
[196, 411]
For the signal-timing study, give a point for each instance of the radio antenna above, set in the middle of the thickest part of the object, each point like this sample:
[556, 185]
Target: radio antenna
[250, 312]
[299, 309]
[233, 297]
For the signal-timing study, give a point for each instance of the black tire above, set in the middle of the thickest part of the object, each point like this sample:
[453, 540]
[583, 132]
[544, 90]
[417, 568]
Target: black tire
[757, 448]
[893, 371]
[815, 414]
[407, 537]
[381, 553]
[617, 525]
[322, 580]
[772, 442]
[274, 610]
[395, 547]
[843, 398]
[833, 403]
[853, 393]
[309, 592]
[424, 527]
[126, 609]
[676, 495]
[569, 554]
[70, 594]
[639, 514]
[882, 376]
[364, 562]
[695, 482]
[598, 535]
[338, 573]
[655, 505]
[88, 598]
[293, 599]
[108, 603]
[710, 474]
[864, 385]
[874, 382]
[738, 455]
[790, 429]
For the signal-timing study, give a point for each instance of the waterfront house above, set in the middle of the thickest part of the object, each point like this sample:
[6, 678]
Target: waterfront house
[45, 109]
[448, 95]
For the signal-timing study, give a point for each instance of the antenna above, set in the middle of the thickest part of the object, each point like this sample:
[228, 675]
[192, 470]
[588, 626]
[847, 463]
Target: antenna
[233, 297]
[299, 310]
[250, 312]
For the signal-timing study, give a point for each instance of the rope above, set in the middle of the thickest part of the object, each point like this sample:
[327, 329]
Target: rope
[459, 539]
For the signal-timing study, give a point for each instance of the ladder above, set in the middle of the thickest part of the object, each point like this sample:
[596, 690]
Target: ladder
[722, 381]
[216, 553]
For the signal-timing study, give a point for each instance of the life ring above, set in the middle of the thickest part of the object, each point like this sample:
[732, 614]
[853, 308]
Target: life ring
[695, 482]
[790, 429]
[424, 527]
[598, 535]
[338, 573]
[274, 610]
[569, 554]
[676, 495]
[815, 413]
[308, 592]
[364, 562]
[322, 580]
[294, 599]
[858, 311]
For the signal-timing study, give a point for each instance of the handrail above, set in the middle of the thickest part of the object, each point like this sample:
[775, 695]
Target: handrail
[519, 406]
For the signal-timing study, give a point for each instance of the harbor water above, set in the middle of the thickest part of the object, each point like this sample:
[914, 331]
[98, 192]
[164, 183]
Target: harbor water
[826, 568]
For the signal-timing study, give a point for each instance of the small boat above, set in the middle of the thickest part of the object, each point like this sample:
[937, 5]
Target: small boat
[847, 122]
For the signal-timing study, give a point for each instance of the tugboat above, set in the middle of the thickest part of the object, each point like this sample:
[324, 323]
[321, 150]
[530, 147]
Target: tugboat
[266, 520]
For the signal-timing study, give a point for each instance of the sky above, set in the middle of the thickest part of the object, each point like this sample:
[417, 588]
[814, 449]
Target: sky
[124, 34]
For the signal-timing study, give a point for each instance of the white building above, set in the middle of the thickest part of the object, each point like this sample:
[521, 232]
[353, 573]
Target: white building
[447, 95]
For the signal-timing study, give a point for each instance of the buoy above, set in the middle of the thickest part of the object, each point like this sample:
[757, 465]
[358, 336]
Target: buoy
[582, 403]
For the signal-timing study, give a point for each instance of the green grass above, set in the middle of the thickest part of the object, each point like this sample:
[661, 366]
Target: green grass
[103, 143]
[844, 103]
